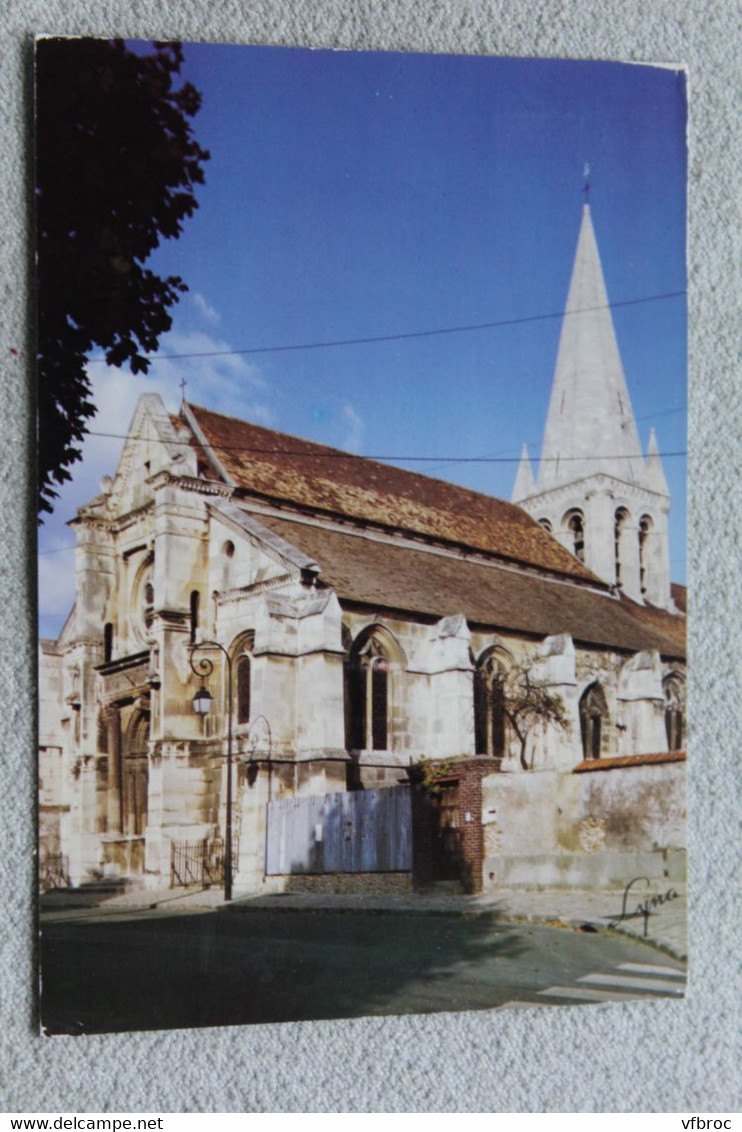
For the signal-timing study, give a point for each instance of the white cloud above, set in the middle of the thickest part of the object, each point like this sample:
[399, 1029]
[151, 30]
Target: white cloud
[227, 383]
[216, 378]
[56, 580]
[355, 428]
[204, 307]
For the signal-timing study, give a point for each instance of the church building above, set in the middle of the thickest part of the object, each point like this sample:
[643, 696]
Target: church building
[348, 623]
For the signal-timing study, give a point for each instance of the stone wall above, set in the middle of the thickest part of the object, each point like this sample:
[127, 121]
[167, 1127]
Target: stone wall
[597, 829]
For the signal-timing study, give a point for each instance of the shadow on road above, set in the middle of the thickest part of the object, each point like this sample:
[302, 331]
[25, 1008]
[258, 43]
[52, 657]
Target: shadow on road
[90, 895]
[217, 968]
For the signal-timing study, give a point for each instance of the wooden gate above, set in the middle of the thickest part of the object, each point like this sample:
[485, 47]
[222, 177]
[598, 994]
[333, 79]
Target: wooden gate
[447, 833]
[364, 831]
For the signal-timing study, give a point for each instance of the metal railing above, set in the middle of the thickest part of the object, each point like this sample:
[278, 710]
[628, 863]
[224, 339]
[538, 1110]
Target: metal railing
[54, 872]
[198, 863]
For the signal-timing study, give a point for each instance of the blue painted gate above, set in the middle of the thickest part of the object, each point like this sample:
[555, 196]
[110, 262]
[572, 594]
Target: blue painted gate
[364, 831]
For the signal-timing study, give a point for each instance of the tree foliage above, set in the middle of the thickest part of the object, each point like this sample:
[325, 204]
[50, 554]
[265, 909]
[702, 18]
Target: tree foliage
[527, 701]
[116, 165]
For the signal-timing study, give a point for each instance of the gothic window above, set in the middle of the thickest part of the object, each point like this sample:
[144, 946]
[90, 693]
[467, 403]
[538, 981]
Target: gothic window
[575, 523]
[593, 719]
[489, 707]
[242, 677]
[673, 686]
[645, 526]
[619, 526]
[368, 692]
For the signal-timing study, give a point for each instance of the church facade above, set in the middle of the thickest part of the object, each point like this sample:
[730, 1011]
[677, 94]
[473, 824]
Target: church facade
[347, 621]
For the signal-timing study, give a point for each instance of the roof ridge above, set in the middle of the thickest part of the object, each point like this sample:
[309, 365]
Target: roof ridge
[354, 455]
[294, 469]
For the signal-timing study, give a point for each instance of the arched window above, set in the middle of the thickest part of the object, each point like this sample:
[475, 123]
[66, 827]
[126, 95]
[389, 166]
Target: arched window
[195, 604]
[368, 691]
[619, 526]
[242, 677]
[575, 524]
[142, 607]
[242, 681]
[545, 524]
[674, 689]
[226, 565]
[645, 526]
[593, 718]
[489, 707]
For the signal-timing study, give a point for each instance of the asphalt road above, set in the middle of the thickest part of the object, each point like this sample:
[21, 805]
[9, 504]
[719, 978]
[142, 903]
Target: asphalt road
[227, 967]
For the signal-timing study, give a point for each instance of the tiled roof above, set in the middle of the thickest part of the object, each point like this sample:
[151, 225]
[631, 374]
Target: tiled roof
[280, 467]
[669, 625]
[378, 573]
[629, 760]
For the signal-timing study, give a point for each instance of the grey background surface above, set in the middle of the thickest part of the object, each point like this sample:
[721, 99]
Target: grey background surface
[662, 1056]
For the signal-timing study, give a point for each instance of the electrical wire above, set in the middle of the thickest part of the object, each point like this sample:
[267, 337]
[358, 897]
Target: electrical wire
[408, 335]
[333, 454]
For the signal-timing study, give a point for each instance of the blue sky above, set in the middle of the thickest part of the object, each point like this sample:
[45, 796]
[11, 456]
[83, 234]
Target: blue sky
[353, 195]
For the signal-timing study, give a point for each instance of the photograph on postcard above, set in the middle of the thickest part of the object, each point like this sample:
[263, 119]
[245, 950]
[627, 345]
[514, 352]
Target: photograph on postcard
[362, 608]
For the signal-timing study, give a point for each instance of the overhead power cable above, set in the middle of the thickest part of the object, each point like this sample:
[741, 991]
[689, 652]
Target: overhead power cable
[409, 334]
[333, 454]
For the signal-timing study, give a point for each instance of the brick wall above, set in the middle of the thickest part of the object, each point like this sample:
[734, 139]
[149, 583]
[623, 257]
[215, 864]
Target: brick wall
[429, 859]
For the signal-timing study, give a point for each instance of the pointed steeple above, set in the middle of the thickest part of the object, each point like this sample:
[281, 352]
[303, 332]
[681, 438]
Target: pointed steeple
[525, 484]
[655, 472]
[590, 426]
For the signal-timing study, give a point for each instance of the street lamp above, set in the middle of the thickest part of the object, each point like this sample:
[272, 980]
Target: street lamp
[201, 705]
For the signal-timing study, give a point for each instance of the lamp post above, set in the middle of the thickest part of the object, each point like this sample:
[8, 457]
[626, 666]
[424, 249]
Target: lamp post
[201, 705]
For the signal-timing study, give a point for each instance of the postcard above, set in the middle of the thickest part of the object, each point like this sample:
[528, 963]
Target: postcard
[362, 385]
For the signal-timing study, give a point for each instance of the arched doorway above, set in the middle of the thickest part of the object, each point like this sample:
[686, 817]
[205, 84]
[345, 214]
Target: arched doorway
[135, 777]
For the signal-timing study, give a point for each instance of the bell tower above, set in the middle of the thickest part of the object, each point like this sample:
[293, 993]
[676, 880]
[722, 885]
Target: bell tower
[595, 491]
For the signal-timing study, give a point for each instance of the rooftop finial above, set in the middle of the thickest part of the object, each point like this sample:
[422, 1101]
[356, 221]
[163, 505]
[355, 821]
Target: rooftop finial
[183, 384]
[586, 186]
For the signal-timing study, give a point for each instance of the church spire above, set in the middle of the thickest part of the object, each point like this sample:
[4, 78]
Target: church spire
[525, 484]
[596, 492]
[590, 426]
[655, 473]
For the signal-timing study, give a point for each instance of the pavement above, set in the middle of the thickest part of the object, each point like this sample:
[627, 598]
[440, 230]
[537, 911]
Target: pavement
[658, 918]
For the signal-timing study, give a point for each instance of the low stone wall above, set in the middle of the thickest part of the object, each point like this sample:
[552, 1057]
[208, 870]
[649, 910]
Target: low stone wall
[367, 884]
[585, 830]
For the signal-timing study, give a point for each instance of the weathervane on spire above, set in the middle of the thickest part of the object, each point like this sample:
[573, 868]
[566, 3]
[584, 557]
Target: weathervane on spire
[586, 186]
